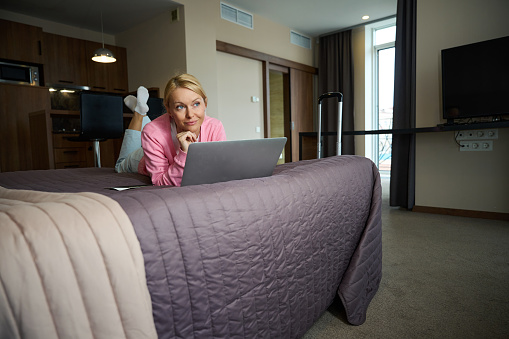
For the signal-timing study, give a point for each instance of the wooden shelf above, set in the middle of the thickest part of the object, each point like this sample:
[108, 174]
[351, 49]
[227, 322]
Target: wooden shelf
[55, 112]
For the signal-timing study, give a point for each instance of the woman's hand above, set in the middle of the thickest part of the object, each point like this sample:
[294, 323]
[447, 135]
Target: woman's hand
[185, 139]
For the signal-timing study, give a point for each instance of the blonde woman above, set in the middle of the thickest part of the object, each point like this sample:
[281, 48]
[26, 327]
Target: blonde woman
[165, 140]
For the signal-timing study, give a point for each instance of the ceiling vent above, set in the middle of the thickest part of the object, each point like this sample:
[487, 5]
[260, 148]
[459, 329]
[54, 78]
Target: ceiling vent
[300, 40]
[236, 15]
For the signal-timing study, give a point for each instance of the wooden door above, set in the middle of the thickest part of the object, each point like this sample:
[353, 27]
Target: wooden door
[279, 109]
[240, 80]
[301, 107]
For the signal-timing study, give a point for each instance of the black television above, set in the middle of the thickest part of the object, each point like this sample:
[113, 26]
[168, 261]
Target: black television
[475, 81]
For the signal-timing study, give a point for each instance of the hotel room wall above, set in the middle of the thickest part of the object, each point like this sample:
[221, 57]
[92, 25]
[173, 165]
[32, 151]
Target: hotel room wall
[361, 92]
[200, 38]
[156, 51]
[446, 177]
[266, 37]
[203, 26]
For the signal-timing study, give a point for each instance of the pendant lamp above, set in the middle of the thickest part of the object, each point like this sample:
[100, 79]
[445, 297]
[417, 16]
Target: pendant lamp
[103, 55]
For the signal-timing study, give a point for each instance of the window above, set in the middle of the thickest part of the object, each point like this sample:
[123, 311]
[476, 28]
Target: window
[383, 52]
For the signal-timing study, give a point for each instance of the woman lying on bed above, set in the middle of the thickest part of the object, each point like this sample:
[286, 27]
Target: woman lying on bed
[165, 140]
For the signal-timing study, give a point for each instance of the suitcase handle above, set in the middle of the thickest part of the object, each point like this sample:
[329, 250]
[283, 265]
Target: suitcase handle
[327, 95]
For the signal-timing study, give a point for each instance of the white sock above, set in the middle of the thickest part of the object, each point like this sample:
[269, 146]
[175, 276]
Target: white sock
[141, 105]
[130, 101]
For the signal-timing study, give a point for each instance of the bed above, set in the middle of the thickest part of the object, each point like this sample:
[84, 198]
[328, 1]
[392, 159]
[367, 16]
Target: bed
[250, 258]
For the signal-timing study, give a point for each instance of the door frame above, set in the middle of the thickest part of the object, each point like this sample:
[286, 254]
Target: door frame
[271, 62]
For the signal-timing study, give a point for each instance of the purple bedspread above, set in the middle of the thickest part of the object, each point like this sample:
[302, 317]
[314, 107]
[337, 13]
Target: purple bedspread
[251, 258]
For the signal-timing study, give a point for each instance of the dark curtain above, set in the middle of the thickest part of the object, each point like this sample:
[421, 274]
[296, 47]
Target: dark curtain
[402, 192]
[335, 74]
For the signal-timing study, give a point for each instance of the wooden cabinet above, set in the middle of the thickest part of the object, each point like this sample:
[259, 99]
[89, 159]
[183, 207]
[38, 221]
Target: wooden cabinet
[69, 61]
[69, 154]
[97, 72]
[64, 60]
[20, 42]
[117, 75]
[26, 138]
[79, 154]
[16, 102]
[111, 77]
[57, 150]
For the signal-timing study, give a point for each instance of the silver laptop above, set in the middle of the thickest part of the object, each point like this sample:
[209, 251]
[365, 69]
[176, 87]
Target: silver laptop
[218, 161]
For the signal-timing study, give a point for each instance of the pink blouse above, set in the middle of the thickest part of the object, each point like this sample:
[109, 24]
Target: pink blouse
[163, 160]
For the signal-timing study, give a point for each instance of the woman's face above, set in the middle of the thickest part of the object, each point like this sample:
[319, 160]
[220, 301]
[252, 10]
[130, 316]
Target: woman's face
[187, 108]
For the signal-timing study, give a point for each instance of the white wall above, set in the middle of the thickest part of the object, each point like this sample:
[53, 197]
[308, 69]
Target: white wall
[156, 51]
[238, 80]
[203, 26]
[266, 37]
[362, 90]
[446, 177]
[200, 39]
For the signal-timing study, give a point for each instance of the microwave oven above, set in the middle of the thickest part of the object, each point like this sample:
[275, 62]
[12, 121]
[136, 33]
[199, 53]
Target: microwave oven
[19, 74]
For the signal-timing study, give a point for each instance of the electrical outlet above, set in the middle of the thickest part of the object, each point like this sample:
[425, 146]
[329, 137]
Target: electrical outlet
[478, 134]
[476, 145]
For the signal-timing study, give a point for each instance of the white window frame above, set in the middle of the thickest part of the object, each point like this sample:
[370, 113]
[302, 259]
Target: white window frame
[376, 108]
[371, 98]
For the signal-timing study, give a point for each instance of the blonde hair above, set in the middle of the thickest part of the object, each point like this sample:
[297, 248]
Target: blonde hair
[183, 81]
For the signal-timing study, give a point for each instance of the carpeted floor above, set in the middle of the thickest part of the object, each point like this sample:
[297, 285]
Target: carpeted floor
[443, 277]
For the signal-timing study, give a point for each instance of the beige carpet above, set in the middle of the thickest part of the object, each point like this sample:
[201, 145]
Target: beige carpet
[443, 277]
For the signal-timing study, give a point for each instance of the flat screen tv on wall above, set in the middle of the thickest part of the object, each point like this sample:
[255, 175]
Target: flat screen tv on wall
[475, 81]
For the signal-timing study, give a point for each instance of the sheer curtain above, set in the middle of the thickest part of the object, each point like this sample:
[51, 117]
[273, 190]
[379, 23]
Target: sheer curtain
[335, 74]
[403, 145]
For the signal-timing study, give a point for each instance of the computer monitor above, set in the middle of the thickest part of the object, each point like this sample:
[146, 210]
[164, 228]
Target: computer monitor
[101, 116]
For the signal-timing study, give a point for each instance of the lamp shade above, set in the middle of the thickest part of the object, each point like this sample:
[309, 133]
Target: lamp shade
[103, 55]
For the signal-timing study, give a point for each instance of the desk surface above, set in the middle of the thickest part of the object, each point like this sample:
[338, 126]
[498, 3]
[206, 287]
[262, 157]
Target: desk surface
[439, 128]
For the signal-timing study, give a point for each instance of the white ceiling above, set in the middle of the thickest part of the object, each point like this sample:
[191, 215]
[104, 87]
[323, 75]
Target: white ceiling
[311, 18]
[316, 17]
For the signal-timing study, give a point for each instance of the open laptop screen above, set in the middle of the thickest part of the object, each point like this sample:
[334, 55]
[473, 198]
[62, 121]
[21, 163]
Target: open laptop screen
[219, 161]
